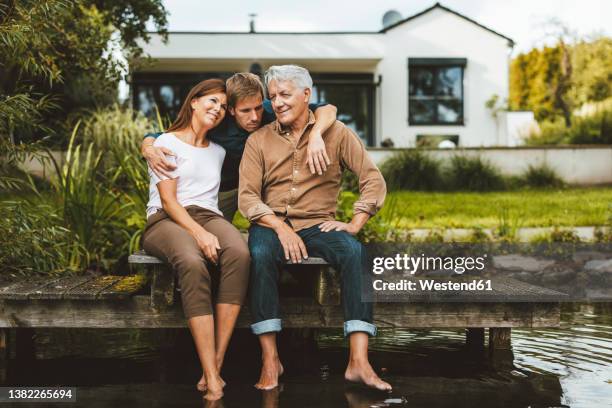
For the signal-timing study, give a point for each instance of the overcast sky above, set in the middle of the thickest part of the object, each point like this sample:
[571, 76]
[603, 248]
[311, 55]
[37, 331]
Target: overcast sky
[521, 20]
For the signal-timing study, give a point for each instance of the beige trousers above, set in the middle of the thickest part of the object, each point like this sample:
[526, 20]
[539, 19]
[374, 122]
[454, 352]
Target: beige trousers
[167, 240]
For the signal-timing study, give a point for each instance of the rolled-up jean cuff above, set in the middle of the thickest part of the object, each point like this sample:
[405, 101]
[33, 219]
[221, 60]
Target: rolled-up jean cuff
[266, 326]
[351, 326]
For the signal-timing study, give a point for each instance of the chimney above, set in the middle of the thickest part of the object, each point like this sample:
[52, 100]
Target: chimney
[252, 22]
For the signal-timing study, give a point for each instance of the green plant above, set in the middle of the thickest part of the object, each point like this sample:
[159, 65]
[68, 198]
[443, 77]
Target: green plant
[591, 127]
[349, 182]
[91, 209]
[474, 174]
[375, 230]
[119, 132]
[541, 176]
[34, 241]
[412, 170]
[508, 225]
[434, 236]
[557, 235]
[478, 235]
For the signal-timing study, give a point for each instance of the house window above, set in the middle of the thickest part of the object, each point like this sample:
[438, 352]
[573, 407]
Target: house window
[165, 91]
[353, 95]
[435, 91]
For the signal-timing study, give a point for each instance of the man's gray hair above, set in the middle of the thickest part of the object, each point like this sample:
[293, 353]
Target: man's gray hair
[294, 73]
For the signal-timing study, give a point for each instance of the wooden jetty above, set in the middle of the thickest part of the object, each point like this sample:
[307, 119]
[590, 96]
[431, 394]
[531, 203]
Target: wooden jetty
[149, 300]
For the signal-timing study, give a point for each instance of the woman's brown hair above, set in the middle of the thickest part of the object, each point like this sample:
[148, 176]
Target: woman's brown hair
[206, 87]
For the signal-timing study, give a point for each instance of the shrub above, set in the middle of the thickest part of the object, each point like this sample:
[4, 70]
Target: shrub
[474, 174]
[594, 127]
[33, 240]
[89, 205]
[557, 235]
[541, 176]
[349, 182]
[412, 170]
[478, 235]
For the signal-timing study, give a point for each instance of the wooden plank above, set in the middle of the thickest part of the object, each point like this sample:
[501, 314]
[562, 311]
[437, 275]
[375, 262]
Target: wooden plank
[141, 257]
[162, 287]
[91, 288]
[22, 289]
[136, 312]
[500, 338]
[327, 287]
[4, 355]
[57, 289]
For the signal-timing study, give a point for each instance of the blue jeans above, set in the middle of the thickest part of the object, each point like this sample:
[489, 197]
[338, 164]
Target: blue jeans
[340, 249]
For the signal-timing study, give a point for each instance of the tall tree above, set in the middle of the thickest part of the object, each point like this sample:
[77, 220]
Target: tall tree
[56, 54]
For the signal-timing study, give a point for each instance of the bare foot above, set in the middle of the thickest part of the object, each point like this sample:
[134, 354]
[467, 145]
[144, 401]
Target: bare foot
[214, 388]
[201, 386]
[271, 369]
[362, 372]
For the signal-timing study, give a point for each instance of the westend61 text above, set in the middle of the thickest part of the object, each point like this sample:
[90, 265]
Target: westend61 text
[432, 285]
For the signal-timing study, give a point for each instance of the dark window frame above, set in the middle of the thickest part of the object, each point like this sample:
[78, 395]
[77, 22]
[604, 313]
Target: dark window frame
[184, 80]
[435, 64]
[347, 79]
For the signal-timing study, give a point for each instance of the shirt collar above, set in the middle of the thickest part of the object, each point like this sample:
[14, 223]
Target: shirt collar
[281, 130]
[233, 130]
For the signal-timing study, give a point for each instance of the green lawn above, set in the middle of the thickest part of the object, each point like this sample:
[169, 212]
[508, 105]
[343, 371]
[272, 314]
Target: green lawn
[529, 208]
[525, 208]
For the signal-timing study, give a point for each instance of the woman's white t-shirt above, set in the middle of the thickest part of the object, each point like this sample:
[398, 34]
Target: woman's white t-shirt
[198, 174]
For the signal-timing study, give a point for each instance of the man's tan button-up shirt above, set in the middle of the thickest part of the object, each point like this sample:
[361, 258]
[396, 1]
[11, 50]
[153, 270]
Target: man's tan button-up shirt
[275, 178]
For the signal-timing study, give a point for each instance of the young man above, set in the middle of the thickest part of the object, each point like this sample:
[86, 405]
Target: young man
[292, 216]
[248, 111]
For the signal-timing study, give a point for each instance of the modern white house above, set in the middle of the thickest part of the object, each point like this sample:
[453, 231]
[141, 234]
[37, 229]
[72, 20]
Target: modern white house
[417, 81]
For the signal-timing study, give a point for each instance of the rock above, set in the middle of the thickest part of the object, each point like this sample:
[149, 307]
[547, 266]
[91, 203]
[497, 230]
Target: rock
[558, 275]
[516, 262]
[599, 265]
[584, 256]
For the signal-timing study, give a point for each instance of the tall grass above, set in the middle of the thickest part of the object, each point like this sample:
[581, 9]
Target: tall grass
[90, 207]
[473, 174]
[34, 241]
[412, 170]
[541, 176]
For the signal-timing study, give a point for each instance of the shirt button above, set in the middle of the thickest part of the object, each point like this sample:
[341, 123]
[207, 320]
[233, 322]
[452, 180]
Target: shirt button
[295, 172]
[288, 206]
[292, 188]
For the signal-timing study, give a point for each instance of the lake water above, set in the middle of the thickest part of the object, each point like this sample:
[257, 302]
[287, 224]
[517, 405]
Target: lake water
[570, 366]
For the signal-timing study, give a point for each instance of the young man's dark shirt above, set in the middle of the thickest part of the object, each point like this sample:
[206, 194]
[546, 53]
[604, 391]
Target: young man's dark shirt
[233, 138]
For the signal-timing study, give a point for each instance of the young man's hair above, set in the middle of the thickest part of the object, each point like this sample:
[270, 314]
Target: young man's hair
[243, 85]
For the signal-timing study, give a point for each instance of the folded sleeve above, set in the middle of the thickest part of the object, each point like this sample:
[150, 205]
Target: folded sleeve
[372, 186]
[250, 183]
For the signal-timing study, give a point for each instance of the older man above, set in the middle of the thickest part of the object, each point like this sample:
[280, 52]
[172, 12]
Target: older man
[292, 216]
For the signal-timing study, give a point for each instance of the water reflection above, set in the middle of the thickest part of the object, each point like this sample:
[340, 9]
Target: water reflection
[569, 366]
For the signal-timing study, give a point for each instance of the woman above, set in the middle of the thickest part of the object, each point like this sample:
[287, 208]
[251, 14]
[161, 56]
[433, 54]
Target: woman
[186, 228]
